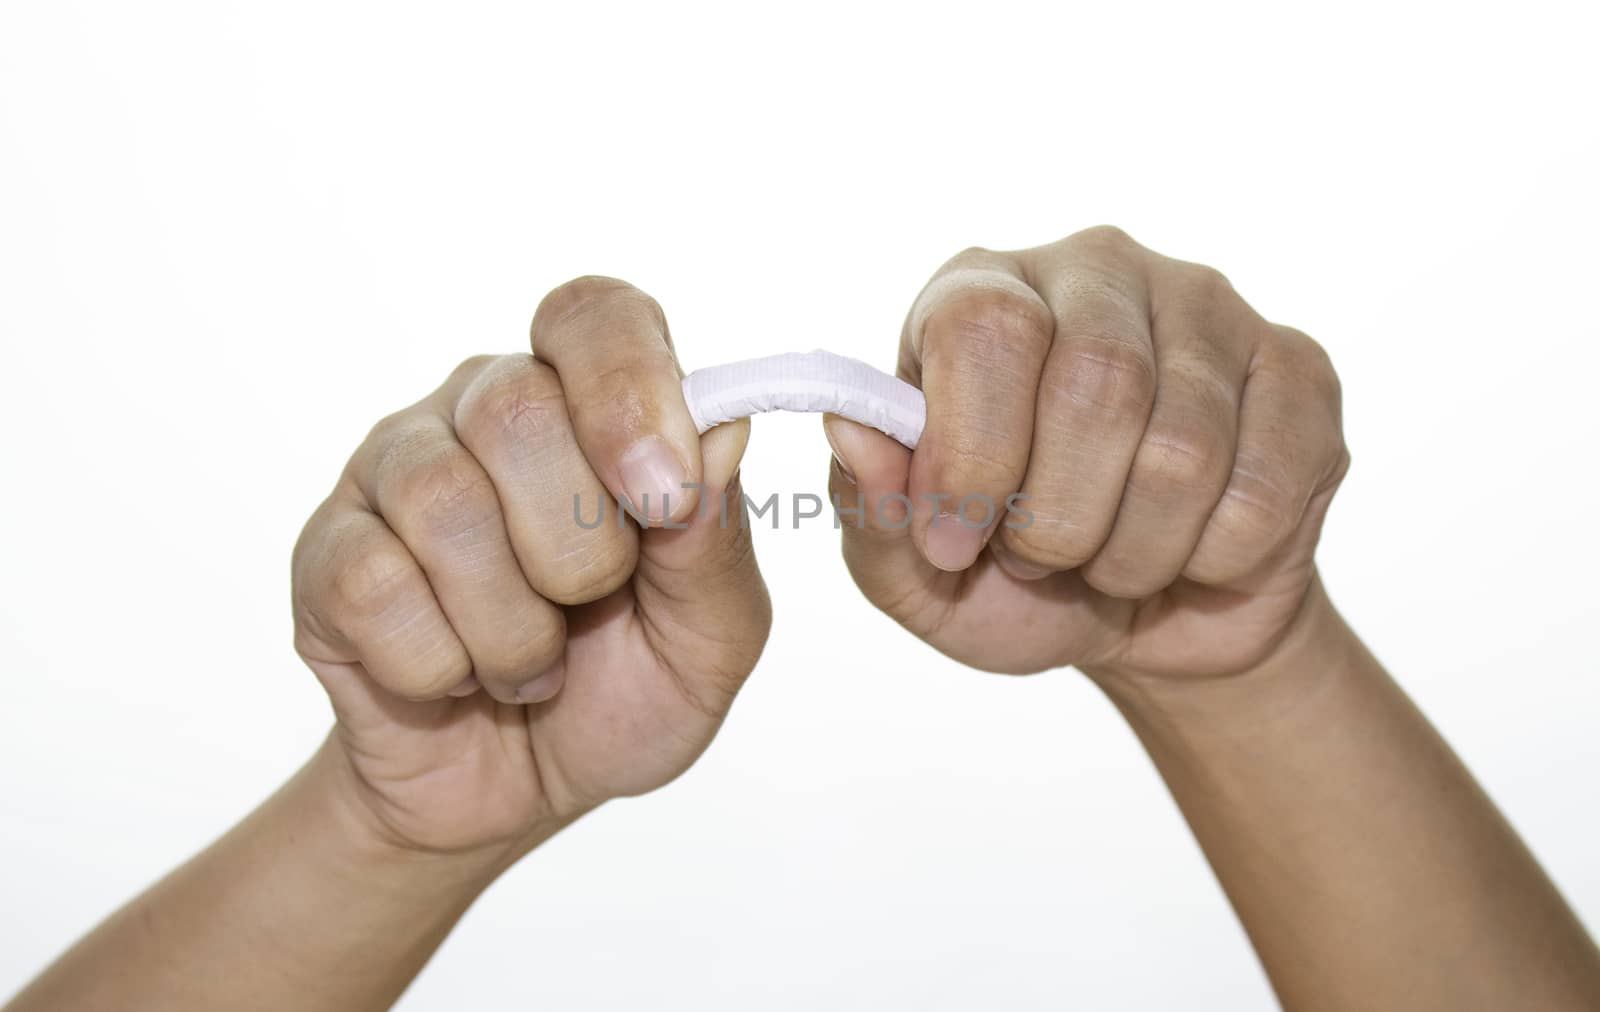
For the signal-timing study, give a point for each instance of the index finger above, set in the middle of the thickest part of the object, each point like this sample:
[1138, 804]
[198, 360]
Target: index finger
[608, 343]
[977, 338]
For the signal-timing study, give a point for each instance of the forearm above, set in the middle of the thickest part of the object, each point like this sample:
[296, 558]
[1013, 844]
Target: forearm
[1368, 867]
[302, 905]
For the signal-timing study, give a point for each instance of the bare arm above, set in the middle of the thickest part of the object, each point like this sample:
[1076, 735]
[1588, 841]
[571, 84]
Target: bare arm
[496, 670]
[302, 905]
[1174, 455]
[1368, 867]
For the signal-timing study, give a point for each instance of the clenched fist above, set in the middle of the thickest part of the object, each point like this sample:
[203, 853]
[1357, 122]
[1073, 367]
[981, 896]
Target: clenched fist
[493, 663]
[1170, 456]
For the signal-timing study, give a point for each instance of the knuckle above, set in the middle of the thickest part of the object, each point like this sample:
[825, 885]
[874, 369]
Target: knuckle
[591, 573]
[390, 431]
[1050, 542]
[577, 293]
[615, 399]
[1184, 461]
[1309, 359]
[1309, 366]
[1106, 237]
[1203, 295]
[542, 645]
[1336, 462]
[625, 396]
[1209, 283]
[367, 586]
[1339, 468]
[430, 676]
[589, 292]
[510, 405]
[535, 645]
[1116, 577]
[1256, 508]
[1104, 374]
[972, 257]
[473, 365]
[987, 316]
[448, 494]
[622, 382]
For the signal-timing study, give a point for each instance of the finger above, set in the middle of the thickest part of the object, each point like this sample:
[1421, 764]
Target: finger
[440, 502]
[608, 342]
[564, 526]
[1015, 565]
[950, 610]
[1094, 399]
[1290, 452]
[360, 597]
[978, 336]
[868, 485]
[699, 592]
[1204, 337]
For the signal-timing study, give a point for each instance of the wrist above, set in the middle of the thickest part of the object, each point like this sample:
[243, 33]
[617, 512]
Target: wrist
[357, 837]
[1311, 651]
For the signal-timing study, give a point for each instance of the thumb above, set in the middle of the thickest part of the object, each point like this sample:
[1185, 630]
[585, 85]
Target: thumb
[870, 489]
[701, 599]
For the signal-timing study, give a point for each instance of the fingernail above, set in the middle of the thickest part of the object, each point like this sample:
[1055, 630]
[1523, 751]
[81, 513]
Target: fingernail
[844, 472]
[838, 458]
[1019, 568]
[650, 473]
[466, 688]
[540, 689]
[952, 545]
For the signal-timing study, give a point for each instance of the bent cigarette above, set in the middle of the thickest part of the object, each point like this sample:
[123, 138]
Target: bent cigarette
[806, 381]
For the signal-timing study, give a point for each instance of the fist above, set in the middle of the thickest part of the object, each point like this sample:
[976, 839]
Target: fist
[1168, 456]
[496, 659]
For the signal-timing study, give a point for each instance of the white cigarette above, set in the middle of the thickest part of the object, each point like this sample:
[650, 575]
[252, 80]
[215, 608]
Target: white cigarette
[806, 381]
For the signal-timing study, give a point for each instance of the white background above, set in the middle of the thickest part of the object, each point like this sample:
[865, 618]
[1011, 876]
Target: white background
[232, 236]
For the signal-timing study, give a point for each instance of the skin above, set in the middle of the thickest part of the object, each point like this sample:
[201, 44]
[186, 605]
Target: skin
[496, 672]
[1178, 454]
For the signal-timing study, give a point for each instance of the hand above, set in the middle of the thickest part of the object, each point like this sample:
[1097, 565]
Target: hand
[494, 666]
[1175, 454]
